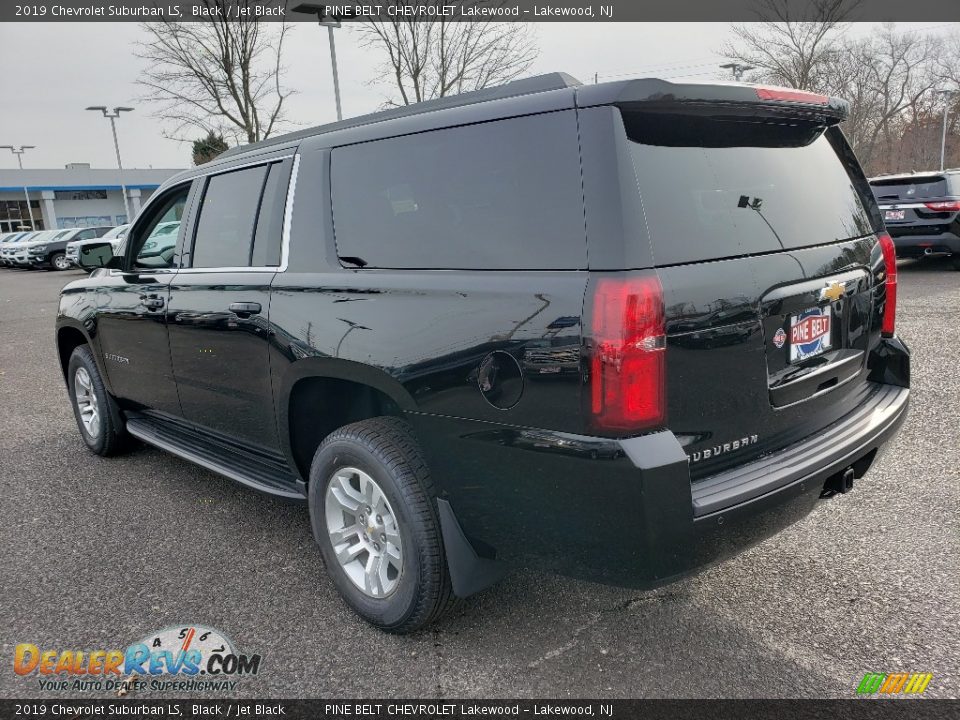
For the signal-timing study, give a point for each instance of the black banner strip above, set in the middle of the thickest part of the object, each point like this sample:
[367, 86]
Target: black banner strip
[463, 10]
[859, 709]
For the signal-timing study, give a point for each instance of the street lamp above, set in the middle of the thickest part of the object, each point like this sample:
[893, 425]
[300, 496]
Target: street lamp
[737, 69]
[947, 99]
[19, 151]
[330, 21]
[116, 146]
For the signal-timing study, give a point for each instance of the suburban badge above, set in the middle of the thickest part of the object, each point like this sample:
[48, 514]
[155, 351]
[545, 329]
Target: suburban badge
[708, 453]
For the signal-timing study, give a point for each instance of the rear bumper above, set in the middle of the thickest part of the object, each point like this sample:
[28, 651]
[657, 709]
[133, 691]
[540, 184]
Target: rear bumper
[814, 460]
[917, 245]
[729, 512]
[625, 512]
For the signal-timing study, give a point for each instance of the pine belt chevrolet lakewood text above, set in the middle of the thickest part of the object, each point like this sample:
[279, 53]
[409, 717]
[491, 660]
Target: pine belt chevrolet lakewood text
[618, 331]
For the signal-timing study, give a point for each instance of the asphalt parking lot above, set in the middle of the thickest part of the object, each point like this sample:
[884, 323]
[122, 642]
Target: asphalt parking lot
[98, 553]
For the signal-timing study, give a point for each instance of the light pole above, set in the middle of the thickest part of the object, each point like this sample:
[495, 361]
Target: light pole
[329, 21]
[116, 146]
[19, 151]
[947, 99]
[736, 69]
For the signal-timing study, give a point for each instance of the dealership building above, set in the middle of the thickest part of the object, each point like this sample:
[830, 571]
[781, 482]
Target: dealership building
[77, 196]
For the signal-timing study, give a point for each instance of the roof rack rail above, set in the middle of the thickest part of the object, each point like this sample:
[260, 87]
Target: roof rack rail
[524, 86]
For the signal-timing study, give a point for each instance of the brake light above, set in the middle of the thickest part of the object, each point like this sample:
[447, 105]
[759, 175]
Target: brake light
[785, 95]
[944, 205]
[627, 364]
[890, 272]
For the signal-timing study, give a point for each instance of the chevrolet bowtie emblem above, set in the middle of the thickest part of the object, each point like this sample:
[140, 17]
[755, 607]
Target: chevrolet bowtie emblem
[832, 292]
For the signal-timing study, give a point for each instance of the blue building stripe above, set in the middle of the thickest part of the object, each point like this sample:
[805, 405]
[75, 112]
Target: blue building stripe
[38, 188]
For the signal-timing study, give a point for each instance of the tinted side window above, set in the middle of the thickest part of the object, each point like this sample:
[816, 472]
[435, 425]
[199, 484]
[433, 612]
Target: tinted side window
[155, 237]
[269, 232]
[498, 195]
[227, 218]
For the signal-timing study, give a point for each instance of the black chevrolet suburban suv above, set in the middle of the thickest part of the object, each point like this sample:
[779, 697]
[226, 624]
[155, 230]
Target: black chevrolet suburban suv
[618, 331]
[921, 212]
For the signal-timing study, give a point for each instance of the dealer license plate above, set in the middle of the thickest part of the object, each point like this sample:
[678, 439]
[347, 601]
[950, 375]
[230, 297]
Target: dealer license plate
[810, 333]
[895, 215]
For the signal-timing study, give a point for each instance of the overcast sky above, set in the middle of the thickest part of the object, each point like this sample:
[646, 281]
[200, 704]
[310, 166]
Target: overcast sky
[52, 71]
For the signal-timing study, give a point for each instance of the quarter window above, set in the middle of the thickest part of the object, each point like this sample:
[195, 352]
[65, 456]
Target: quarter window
[497, 195]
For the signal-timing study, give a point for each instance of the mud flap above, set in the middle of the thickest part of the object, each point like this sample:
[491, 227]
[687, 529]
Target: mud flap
[469, 572]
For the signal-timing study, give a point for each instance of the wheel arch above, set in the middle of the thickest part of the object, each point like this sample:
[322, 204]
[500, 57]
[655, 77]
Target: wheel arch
[319, 395]
[69, 338]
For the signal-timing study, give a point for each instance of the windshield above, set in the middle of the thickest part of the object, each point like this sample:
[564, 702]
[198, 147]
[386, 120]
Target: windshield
[116, 232]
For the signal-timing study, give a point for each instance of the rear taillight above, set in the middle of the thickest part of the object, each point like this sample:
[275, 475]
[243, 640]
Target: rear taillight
[627, 390]
[890, 273]
[944, 206]
[787, 95]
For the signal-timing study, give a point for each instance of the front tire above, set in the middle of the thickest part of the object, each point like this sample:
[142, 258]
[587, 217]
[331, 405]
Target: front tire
[58, 261]
[98, 417]
[373, 512]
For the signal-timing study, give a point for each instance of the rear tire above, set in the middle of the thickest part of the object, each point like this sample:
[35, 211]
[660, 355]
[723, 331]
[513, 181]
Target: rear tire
[98, 417]
[373, 513]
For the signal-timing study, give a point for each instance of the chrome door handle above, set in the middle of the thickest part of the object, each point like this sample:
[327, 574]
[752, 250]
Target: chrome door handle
[151, 302]
[244, 309]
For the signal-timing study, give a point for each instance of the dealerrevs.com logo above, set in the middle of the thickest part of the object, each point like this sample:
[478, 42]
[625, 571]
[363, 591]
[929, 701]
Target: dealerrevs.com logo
[186, 658]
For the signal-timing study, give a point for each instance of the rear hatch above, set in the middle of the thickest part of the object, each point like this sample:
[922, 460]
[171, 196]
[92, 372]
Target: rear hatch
[918, 205]
[764, 235]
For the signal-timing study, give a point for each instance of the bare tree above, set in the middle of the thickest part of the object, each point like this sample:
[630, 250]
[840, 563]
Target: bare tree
[788, 48]
[427, 59]
[887, 77]
[219, 75]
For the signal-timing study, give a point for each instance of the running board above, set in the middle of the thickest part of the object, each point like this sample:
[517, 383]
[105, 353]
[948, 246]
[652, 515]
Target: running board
[257, 470]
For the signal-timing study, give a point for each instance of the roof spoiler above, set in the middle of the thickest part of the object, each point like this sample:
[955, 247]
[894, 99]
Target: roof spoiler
[652, 95]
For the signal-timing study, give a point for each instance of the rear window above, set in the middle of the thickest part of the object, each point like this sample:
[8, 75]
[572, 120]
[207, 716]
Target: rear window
[915, 188]
[714, 189]
[498, 195]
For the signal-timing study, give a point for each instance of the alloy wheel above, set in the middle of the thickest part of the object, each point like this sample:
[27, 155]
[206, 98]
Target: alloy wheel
[60, 262]
[363, 531]
[87, 403]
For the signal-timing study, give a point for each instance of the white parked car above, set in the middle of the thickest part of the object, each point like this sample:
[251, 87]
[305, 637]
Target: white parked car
[6, 241]
[114, 237]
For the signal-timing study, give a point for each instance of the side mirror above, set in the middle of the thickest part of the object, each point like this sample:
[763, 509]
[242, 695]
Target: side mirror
[97, 255]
